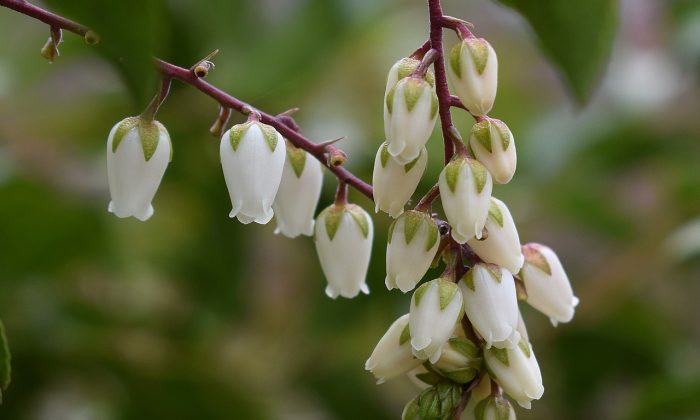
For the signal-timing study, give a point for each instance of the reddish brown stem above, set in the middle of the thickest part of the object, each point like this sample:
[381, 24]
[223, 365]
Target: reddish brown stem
[428, 198]
[51, 19]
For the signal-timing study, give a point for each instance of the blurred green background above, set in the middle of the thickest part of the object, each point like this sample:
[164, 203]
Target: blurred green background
[192, 315]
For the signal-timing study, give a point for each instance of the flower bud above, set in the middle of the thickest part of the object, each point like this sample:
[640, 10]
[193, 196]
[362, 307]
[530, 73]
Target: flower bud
[491, 304]
[494, 407]
[393, 356]
[412, 244]
[502, 245]
[493, 146]
[394, 183]
[473, 71]
[404, 68]
[343, 237]
[460, 360]
[298, 194]
[410, 112]
[465, 190]
[480, 392]
[138, 152]
[547, 285]
[517, 372]
[252, 157]
[438, 402]
[436, 307]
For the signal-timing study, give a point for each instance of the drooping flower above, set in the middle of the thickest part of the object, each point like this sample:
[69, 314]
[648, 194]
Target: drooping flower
[412, 244]
[436, 307]
[473, 70]
[491, 304]
[394, 183]
[298, 194]
[343, 236]
[410, 112]
[252, 157]
[502, 244]
[516, 370]
[460, 360]
[547, 285]
[393, 356]
[465, 191]
[138, 153]
[493, 146]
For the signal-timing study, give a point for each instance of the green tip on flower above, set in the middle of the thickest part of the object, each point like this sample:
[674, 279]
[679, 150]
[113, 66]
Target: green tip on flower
[479, 51]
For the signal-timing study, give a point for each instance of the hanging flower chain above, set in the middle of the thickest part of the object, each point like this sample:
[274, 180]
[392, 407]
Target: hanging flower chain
[463, 340]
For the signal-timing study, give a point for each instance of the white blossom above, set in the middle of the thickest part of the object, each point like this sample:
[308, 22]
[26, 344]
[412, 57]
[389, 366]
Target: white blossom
[298, 194]
[436, 307]
[460, 360]
[412, 244]
[502, 244]
[402, 69]
[393, 356]
[491, 304]
[410, 112]
[252, 157]
[343, 236]
[517, 372]
[465, 190]
[138, 152]
[395, 183]
[473, 70]
[493, 146]
[547, 285]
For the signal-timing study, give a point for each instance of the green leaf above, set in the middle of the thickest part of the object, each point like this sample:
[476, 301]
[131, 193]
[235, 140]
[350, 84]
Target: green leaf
[131, 32]
[576, 35]
[5, 369]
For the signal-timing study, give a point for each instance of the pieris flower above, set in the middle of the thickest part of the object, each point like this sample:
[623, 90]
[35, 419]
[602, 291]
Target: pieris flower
[465, 191]
[460, 360]
[412, 244]
[298, 194]
[491, 304]
[473, 70]
[502, 245]
[343, 236]
[395, 183]
[493, 146]
[138, 152]
[547, 285]
[517, 372]
[393, 356]
[252, 157]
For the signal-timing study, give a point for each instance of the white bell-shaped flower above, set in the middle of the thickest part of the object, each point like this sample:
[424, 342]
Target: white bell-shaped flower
[436, 307]
[395, 183]
[393, 356]
[491, 304]
[517, 372]
[298, 194]
[465, 191]
[138, 152]
[502, 244]
[473, 70]
[493, 407]
[252, 157]
[460, 360]
[547, 285]
[412, 244]
[343, 237]
[493, 145]
[410, 112]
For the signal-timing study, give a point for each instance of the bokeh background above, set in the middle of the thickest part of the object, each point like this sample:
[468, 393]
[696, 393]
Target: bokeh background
[194, 316]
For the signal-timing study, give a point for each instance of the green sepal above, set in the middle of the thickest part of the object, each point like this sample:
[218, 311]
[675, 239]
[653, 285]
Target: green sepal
[525, 348]
[236, 134]
[493, 270]
[430, 378]
[5, 359]
[482, 133]
[332, 217]
[124, 127]
[270, 134]
[501, 355]
[452, 171]
[504, 132]
[433, 234]
[479, 50]
[405, 335]
[439, 401]
[149, 133]
[468, 279]
[479, 173]
[296, 158]
[465, 347]
[534, 256]
[408, 65]
[391, 231]
[360, 218]
[447, 291]
[410, 165]
[420, 291]
[390, 99]
[462, 375]
[434, 105]
[412, 91]
[412, 221]
[501, 406]
[384, 154]
[455, 60]
[411, 411]
[495, 213]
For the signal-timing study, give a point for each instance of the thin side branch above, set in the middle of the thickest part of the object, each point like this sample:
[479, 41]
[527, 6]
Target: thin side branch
[51, 19]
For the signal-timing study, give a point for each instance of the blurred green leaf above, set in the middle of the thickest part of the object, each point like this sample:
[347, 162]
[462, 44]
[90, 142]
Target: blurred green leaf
[577, 36]
[131, 32]
[4, 361]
